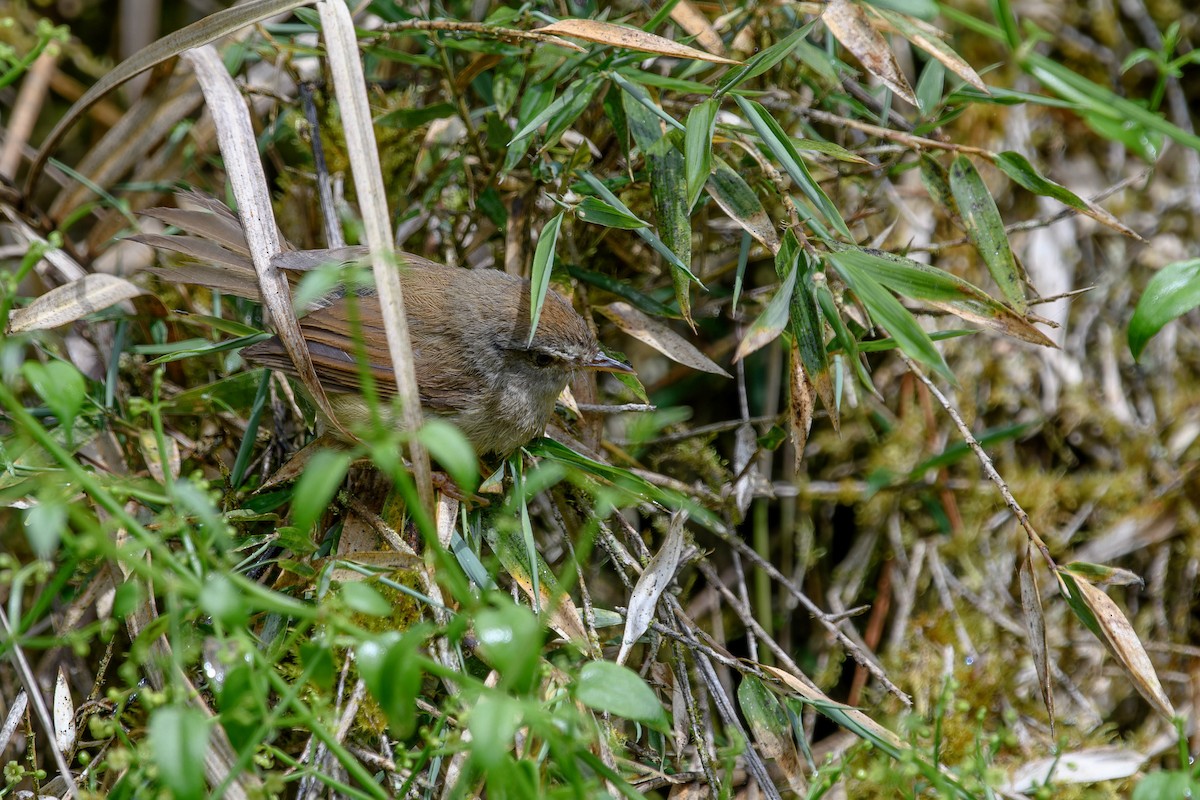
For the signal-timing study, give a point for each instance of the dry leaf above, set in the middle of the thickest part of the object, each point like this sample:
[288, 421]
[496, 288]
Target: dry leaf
[1123, 643]
[154, 459]
[646, 329]
[926, 37]
[690, 18]
[801, 401]
[654, 579]
[591, 30]
[16, 714]
[1035, 622]
[64, 714]
[1083, 766]
[811, 693]
[850, 25]
[72, 301]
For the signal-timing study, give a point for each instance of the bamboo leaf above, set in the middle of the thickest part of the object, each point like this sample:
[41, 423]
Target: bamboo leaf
[887, 311]
[629, 38]
[848, 22]
[986, 231]
[697, 149]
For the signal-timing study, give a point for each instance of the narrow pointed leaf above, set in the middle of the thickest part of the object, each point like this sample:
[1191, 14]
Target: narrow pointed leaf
[597, 212]
[771, 322]
[808, 331]
[72, 301]
[646, 329]
[543, 265]
[738, 200]
[887, 311]
[925, 36]
[629, 38]
[1035, 624]
[666, 167]
[647, 234]
[1017, 167]
[654, 579]
[943, 290]
[1122, 641]
[763, 61]
[785, 153]
[849, 23]
[697, 149]
[771, 728]
[986, 231]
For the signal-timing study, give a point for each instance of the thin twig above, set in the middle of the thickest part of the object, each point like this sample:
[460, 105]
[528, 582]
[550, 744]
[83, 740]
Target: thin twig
[984, 459]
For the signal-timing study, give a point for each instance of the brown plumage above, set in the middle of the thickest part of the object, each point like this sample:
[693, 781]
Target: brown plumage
[474, 363]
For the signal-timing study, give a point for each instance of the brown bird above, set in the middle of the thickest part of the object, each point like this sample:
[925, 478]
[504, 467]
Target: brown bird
[475, 363]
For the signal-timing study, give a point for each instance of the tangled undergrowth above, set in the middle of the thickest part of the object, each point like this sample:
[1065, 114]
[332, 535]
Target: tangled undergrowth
[890, 509]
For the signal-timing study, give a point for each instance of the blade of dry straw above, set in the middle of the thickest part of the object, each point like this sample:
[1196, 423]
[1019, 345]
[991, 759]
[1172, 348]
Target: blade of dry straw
[341, 46]
[240, 152]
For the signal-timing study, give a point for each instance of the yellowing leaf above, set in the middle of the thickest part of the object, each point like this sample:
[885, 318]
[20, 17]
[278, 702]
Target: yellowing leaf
[72, 301]
[850, 25]
[608, 33]
[646, 329]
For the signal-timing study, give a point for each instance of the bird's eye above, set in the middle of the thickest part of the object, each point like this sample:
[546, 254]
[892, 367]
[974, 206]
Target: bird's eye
[542, 360]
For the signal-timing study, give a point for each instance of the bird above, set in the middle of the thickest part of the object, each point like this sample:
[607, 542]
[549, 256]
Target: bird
[476, 364]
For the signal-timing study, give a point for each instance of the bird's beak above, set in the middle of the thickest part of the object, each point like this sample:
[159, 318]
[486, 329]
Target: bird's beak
[602, 362]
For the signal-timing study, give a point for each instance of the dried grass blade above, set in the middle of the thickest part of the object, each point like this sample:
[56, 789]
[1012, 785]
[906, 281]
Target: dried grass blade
[209, 29]
[239, 148]
[341, 45]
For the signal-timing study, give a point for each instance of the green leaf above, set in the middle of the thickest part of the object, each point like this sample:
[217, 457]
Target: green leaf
[60, 386]
[1102, 101]
[409, 118]
[510, 639]
[506, 84]
[578, 98]
[1017, 167]
[1074, 597]
[536, 98]
[543, 265]
[887, 311]
[606, 686]
[390, 667]
[320, 480]
[769, 723]
[452, 451]
[178, 738]
[701, 122]
[598, 212]
[646, 234]
[1172, 292]
[363, 598]
[1172, 785]
[493, 723]
[785, 153]
[921, 9]
[763, 61]
[666, 166]
[985, 229]
[738, 200]
[807, 327]
[624, 290]
[774, 318]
